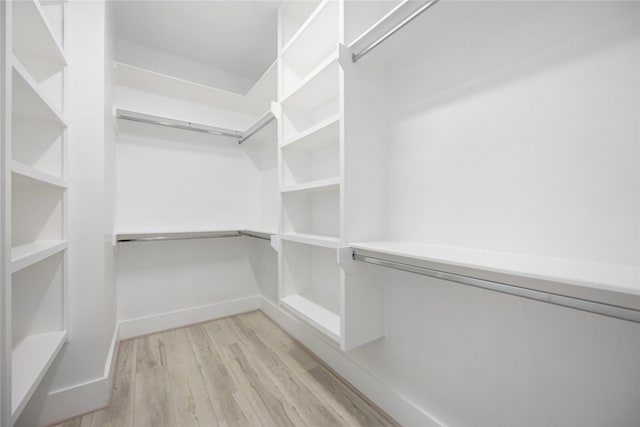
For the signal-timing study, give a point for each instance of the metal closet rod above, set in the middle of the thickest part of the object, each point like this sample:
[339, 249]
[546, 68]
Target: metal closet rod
[178, 126]
[241, 136]
[561, 300]
[126, 238]
[355, 57]
[257, 127]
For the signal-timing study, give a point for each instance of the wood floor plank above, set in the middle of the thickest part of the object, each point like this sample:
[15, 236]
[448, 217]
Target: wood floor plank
[338, 392]
[123, 392]
[312, 410]
[238, 371]
[229, 412]
[280, 410]
[149, 352]
[191, 402]
[218, 379]
[153, 405]
[287, 348]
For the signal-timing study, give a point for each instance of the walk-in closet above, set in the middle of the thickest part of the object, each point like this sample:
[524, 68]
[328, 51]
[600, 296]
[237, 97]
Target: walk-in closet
[319, 213]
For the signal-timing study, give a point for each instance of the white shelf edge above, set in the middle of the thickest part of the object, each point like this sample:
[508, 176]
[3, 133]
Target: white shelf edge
[312, 239]
[304, 26]
[59, 51]
[261, 78]
[33, 85]
[168, 77]
[36, 174]
[23, 256]
[529, 273]
[320, 184]
[30, 361]
[317, 316]
[327, 62]
[58, 47]
[311, 130]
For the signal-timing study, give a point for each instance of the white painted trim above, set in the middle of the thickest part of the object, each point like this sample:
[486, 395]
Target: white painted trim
[78, 399]
[386, 397]
[112, 358]
[130, 328]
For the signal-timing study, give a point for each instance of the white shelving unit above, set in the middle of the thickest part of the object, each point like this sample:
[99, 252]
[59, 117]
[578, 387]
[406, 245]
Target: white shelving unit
[314, 186]
[34, 199]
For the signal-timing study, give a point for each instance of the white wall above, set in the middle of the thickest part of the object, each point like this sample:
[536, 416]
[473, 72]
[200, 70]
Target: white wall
[172, 65]
[76, 382]
[175, 180]
[512, 138]
[163, 285]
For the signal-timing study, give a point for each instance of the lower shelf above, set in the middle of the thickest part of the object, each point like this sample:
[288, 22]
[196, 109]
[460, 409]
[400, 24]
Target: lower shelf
[30, 360]
[325, 320]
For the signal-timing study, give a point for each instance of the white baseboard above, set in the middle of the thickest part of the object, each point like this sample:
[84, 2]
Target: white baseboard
[79, 399]
[174, 319]
[391, 401]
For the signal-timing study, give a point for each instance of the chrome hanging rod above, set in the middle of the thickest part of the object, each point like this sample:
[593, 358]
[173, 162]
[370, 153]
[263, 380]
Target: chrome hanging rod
[156, 237]
[550, 298]
[186, 126]
[258, 126]
[355, 57]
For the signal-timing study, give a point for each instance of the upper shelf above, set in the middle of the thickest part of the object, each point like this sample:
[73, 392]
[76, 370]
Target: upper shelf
[611, 284]
[318, 89]
[318, 136]
[32, 34]
[292, 16]
[151, 81]
[29, 100]
[316, 40]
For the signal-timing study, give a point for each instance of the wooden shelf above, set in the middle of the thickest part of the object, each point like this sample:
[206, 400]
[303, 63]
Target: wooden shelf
[322, 319]
[33, 34]
[321, 184]
[30, 360]
[612, 284]
[312, 239]
[23, 256]
[316, 137]
[36, 174]
[29, 100]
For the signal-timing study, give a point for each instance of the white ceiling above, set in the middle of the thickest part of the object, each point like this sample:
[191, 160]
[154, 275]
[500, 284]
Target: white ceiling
[238, 36]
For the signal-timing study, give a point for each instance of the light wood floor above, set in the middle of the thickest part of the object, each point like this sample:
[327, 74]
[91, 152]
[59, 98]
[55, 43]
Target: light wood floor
[238, 371]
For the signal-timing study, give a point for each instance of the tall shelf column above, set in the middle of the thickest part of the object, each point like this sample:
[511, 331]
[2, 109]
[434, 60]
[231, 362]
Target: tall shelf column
[315, 191]
[34, 197]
